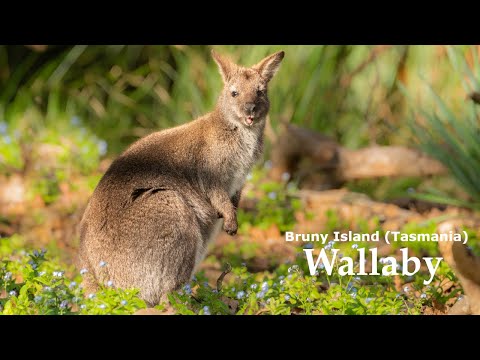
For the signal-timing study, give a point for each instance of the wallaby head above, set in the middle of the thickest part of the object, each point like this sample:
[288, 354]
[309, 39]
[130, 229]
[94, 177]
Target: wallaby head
[244, 97]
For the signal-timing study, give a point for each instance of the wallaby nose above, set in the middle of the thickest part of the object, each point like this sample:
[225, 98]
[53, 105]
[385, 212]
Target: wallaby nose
[250, 107]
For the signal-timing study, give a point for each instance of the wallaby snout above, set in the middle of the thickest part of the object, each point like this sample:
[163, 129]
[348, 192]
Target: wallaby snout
[162, 201]
[249, 108]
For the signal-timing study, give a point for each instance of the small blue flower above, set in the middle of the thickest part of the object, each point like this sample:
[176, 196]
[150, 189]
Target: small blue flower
[13, 293]
[37, 299]
[109, 283]
[58, 274]
[124, 302]
[102, 306]
[102, 263]
[83, 306]
[368, 300]
[423, 296]
[205, 283]
[357, 278]
[232, 289]
[244, 264]
[316, 273]
[353, 295]
[36, 253]
[291, 187]
[41, 273]
[253, 286]
[308, 246]
[264, 286]
[47, 288]
[206, 310]
[261, 294]
[72, 285]
[382, 260]
[75, 121]
[292, 268]
[240, 295]
[3, 127]
[7, 139]
[287, 297]
[215, 291]
[188, 289]
[272, 195]
[281, 277]
[406, 289]
[269, 300]
[282, 282]
[355, 246]
[289, 276]
[63, 304]
[321, 266]
[33, 264]
[102, 147]
[194, 278]
[7, 276]
[91, 296]
[83, 271]
[286, 176]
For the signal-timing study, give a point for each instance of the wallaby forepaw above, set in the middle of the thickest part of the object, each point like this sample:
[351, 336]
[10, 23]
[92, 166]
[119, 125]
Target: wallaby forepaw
[230, 227]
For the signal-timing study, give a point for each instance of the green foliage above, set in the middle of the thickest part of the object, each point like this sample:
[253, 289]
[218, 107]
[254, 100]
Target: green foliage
[452, 136]
[385, 188]
[122, 92]
[277, 204]
[425, 227]
[32, 283]
[287, 290]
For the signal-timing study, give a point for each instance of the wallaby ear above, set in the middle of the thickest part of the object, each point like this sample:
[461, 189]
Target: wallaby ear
[225, 65]
[269, 66]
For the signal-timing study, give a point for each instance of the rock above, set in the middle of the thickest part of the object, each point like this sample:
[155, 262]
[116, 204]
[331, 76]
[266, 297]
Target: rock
[461, 307]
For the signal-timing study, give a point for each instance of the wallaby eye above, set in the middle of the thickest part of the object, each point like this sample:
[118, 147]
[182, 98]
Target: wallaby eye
[234, 93]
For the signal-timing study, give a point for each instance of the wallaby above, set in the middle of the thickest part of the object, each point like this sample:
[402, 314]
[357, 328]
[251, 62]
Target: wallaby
[158, 205]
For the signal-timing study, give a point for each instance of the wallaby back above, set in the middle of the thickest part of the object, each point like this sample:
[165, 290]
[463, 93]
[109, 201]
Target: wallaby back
[156, 208]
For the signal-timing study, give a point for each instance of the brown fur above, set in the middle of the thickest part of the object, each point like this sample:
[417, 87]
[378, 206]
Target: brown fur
[157, 206]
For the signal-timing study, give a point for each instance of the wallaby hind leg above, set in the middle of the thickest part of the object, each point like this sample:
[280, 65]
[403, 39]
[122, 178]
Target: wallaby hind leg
[153, 247]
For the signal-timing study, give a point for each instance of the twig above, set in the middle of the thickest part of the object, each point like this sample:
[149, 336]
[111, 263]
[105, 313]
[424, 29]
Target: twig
[377, 50]
[228, 268]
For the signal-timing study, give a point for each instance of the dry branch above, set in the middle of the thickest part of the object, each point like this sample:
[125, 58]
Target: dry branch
[465, 265]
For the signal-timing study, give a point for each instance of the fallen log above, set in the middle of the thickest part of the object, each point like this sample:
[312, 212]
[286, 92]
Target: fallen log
[322, 153]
